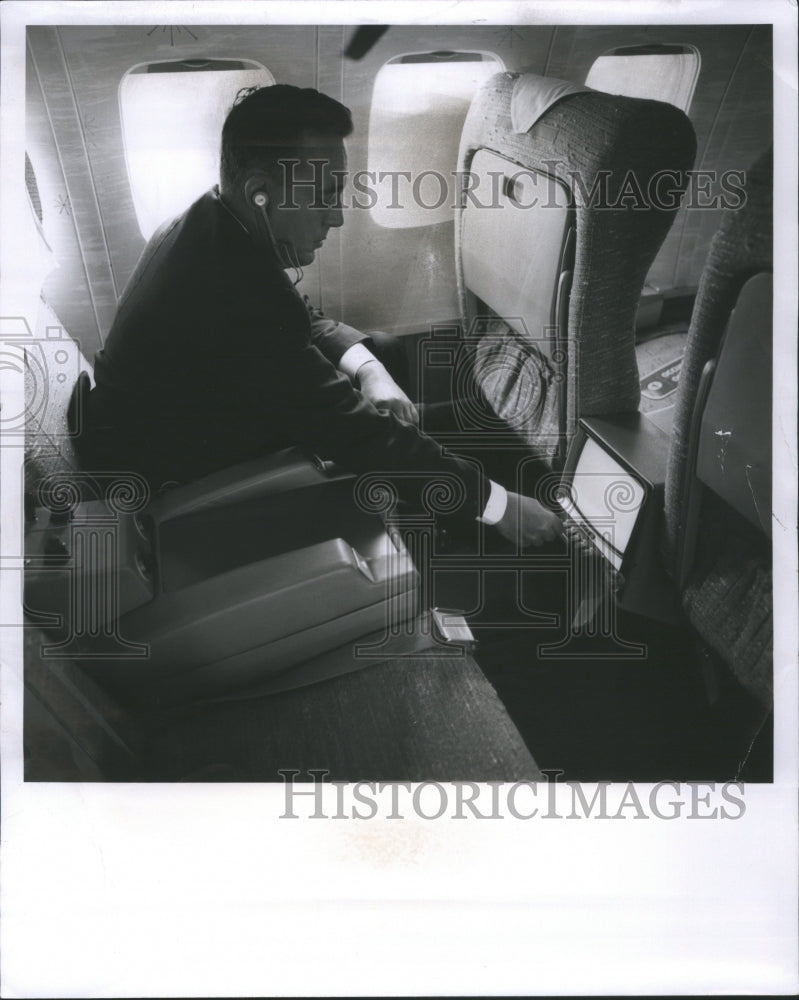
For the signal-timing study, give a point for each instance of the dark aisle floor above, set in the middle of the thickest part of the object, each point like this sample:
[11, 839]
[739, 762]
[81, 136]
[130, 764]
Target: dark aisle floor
[606, 720]
[646, 718]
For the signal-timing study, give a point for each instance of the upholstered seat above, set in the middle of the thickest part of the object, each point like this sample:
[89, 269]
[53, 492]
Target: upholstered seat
[556, 229]
[718, 488]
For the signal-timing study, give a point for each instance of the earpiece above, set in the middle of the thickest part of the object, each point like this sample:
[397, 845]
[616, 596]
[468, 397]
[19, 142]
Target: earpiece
[283, 251]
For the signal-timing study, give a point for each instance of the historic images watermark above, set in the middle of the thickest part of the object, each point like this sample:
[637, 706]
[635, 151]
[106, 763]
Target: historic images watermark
[308, 796]
[665, 190]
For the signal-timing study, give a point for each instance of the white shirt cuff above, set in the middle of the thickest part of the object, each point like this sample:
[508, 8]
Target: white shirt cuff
[352, 359]
[497, 502]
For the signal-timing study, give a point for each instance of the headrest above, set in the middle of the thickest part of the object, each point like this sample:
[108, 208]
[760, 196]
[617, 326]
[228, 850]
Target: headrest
[533, 95]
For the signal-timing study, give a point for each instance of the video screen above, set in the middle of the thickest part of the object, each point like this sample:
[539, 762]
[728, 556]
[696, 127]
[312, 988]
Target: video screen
[605, 498]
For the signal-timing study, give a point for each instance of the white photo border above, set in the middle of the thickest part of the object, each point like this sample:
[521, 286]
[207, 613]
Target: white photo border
[202, 890]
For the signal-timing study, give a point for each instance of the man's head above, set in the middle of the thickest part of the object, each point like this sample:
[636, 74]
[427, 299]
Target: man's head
[283, 158]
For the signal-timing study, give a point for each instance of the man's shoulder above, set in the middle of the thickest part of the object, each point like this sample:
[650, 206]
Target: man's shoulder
[188, 234]
[175, 265]
[199, 264]
[208, 234]
[202, 228]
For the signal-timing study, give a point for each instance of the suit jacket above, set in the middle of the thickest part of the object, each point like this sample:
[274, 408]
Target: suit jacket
[211, 360]
[332, 337]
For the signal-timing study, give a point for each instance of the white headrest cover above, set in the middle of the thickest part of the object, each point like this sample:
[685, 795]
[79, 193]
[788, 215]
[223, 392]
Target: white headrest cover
[533, 95]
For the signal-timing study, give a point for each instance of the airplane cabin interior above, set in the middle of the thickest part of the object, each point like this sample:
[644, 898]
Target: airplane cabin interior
[575, 222]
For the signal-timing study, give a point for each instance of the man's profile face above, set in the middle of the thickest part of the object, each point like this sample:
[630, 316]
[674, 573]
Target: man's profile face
[305, 197]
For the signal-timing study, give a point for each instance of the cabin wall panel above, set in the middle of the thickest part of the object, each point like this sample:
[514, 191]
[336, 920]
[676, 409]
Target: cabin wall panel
[59, 94]
[80, 287]
[65, 284]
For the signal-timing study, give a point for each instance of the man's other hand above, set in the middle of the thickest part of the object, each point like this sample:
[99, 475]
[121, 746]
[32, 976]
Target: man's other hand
[526, 521]
[383, 392]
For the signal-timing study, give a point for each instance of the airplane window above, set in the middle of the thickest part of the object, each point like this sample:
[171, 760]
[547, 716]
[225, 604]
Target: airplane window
[172, 115]
[419, 104]
[658, 72]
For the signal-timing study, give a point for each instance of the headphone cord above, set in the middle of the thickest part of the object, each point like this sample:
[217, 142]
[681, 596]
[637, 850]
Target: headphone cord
[295, 263]
[281, 249]
[284, 252]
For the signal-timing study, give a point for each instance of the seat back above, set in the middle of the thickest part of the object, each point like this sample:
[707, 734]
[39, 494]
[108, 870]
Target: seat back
[718, 485]
[556, 228]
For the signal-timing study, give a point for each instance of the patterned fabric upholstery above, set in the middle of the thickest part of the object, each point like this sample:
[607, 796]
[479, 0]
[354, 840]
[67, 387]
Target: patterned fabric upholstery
[741, 247]
[587, 136]
[416, 719]
[728, 595]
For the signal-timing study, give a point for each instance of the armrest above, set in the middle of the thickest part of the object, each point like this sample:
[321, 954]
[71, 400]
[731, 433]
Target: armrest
[258, 619]
[277, 473]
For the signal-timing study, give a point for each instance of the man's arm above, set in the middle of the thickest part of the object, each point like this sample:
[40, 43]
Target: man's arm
[332, 338]
[301, 386]
[376, 383]
[327, 416]
[344, 347]
[294, 386]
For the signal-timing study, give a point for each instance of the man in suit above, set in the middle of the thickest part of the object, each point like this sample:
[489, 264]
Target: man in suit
[213, 357]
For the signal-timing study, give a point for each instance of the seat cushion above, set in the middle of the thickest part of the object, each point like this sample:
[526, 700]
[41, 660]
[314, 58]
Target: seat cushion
[728, 597]
[420, 718]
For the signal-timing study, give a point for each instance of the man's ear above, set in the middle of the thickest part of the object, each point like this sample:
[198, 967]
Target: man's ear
[258, 190]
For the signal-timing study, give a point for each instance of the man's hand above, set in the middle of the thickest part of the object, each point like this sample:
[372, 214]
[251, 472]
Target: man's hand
[577, 539]
[526, 521]
[383, 392]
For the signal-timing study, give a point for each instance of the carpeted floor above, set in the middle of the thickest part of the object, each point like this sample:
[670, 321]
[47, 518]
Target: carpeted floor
[613, 718]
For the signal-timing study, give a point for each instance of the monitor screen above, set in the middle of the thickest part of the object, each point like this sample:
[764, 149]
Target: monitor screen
[605, 498]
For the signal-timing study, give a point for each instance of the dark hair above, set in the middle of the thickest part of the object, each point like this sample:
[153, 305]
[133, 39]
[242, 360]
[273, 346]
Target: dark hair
[266, 123]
